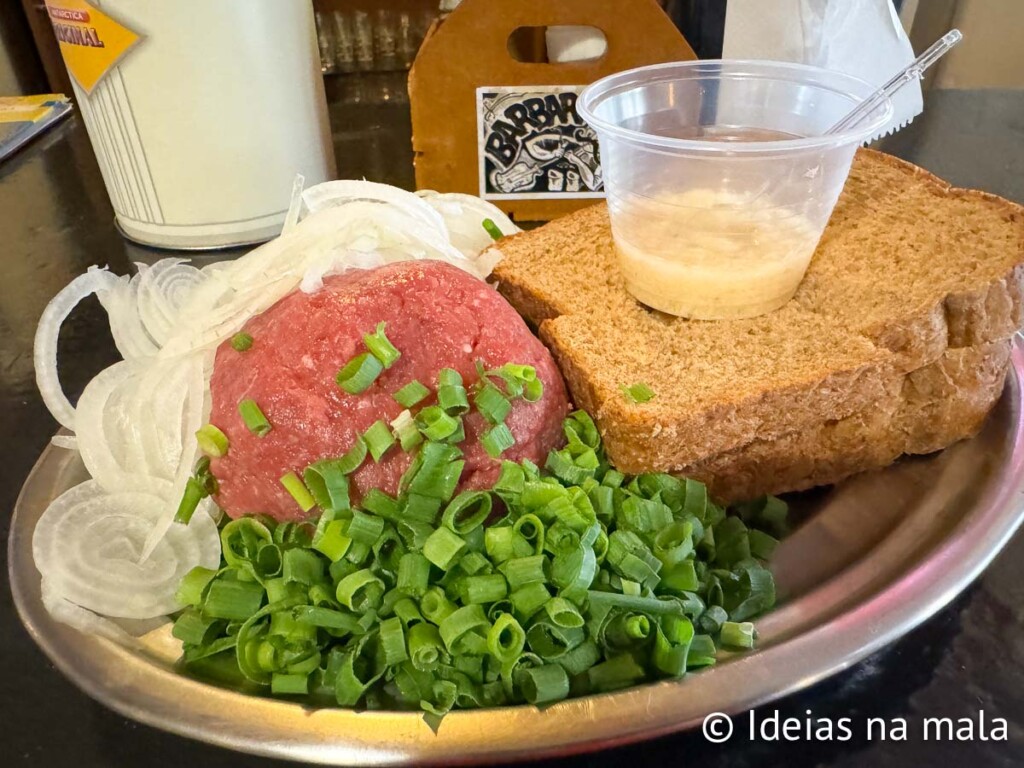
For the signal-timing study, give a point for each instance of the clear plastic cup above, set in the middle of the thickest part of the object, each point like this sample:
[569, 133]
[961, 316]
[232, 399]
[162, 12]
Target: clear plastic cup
[718, 177]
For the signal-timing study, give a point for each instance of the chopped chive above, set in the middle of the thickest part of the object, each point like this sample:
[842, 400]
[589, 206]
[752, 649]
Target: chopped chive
[449, 377]
[411, 394]
[506, 639]
[491, 403]
[193, 585]
[420, 508]
[298, 491]
[485, 588]
[232, 600]
[762, 546]
[503, 543]
[360, 591]
[193, 628]
[380, 504]
[190, 499]
[392, 641]
[492, 229]
[241, 341]
[527, 600]
[638, 393]
[467, 511]
[332, 541]
[381, 347]
[365, 528]
[436, 606]
[289, 685]
[253, 418]
[544, 684]
[354, 457]
[378, 439]
[405, 430]
[413, 574]
[462, 622]
[435, 424]
[738, 634]
[442, 547]
[425, 646]
[520, 381]
[617, 672]
[212, 441]
[359, 373]
[451, 394]
[521, 571]
[497, 440]
[327, 482]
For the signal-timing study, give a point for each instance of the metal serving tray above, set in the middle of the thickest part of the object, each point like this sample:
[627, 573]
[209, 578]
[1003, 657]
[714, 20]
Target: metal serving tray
[876, 556]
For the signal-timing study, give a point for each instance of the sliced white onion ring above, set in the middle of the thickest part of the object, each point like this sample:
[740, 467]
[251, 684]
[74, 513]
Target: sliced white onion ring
[101, 440]
[335, 193]
[464, 216]
[88, 543]
[85, 621]
[122, 305]
[163, 289]
[47, 332]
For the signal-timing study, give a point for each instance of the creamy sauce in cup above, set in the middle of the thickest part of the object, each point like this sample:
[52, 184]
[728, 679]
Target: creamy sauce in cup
[712, 255]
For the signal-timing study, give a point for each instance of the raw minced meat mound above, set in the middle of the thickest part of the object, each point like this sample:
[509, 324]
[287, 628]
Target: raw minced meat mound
[438, 317]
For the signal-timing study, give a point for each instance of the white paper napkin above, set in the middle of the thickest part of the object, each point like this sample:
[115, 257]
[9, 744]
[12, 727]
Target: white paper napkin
[859, 37]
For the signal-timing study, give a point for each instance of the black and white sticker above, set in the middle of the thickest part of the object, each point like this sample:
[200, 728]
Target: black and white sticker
[533, 144]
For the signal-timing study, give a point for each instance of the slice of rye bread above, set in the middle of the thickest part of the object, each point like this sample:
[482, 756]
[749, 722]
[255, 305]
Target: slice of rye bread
[907, 269]
[924, 411]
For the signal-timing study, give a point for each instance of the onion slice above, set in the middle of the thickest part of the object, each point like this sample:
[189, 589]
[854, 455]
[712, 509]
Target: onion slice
[44, 352]
[87, 546]
[464, 215]
[163, 288]
[122, 305]
[85, 621]
[335, 193]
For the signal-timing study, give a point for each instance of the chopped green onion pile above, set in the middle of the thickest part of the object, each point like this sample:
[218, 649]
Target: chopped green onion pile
[558, 581]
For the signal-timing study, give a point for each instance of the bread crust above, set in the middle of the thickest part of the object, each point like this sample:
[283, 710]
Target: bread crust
[922, 377]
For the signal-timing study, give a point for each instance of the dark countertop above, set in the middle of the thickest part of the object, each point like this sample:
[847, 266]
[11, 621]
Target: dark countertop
[55, 221]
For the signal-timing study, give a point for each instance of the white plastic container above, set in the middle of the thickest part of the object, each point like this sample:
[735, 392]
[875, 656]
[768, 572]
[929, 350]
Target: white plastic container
[202, 126]
[719, 181]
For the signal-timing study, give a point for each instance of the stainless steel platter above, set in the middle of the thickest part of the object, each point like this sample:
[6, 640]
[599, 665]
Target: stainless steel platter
[876, 556]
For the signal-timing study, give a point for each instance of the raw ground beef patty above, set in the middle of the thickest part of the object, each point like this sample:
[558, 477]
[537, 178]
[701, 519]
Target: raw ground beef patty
[438, 317]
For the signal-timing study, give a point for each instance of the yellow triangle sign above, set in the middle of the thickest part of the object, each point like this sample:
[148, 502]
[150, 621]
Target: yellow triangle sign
[90, 41]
